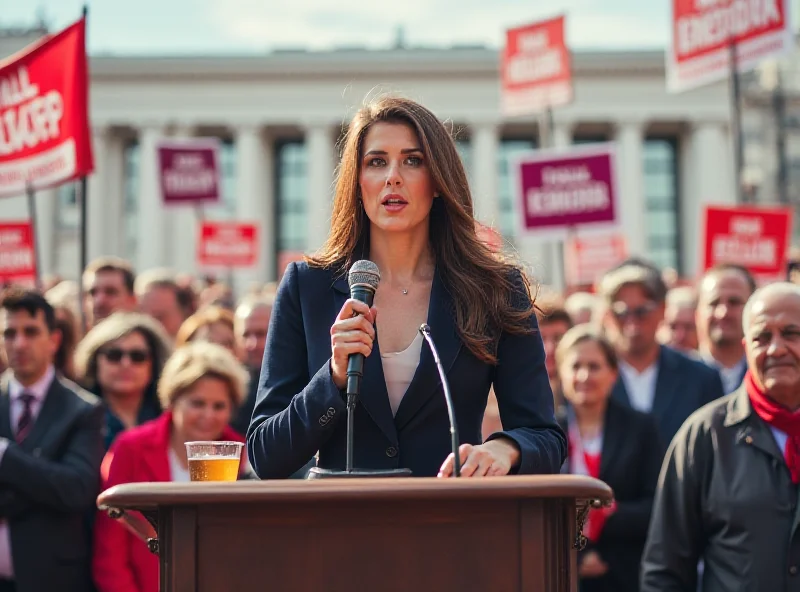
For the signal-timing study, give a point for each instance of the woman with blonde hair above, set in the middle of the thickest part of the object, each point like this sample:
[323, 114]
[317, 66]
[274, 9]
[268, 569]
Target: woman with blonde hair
[200, 387]
[211, 323]
[616, 444]
[120, 360]
[403, 201]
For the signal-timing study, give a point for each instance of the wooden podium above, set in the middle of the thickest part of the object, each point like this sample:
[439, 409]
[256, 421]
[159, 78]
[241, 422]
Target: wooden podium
[494, 534]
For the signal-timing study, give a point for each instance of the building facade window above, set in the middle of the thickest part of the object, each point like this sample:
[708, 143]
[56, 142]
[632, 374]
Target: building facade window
[68, 210]
[660, 181]
[508, 151]
[292, 196]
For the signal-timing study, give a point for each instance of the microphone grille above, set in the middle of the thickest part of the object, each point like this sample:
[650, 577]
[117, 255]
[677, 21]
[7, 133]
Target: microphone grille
[364, 271]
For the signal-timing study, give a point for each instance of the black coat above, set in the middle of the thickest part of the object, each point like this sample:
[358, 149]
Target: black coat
[630, 462]
[48, 484]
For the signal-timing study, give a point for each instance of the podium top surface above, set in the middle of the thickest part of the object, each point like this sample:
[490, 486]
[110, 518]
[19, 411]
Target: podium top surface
[144, 496]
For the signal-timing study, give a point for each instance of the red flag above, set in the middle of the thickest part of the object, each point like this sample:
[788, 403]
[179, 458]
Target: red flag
[44, 113]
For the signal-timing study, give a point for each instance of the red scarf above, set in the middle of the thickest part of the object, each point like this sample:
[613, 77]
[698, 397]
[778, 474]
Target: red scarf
[781, 418]
[597, 516]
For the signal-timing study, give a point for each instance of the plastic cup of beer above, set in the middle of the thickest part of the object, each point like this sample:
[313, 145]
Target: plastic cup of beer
[214, 461]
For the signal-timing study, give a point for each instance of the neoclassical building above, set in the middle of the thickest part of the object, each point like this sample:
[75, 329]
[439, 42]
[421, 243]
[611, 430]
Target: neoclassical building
[281, 114]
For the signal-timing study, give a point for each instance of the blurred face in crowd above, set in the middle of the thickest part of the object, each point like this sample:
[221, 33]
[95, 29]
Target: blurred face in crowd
[219, 333]
[678, 329]
[203, 411]
[552, 332]
[161, 303]
[632, 321]
[28, 344]
[251, 334]
[396, 185]
[107, 293]
[772, 343]
[586, 376]
[125, 366]
[721, 301]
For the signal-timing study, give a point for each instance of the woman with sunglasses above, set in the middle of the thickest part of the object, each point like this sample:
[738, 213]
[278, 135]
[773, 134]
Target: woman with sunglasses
[120, 360]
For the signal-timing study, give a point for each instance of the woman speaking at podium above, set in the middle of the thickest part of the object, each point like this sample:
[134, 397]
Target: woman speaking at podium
[403, 202]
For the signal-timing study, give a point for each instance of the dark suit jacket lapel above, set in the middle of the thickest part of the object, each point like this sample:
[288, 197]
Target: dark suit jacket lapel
[5, 409]
[374, 396]
[613, 438]
[50, 413]
[620, 393]
[426, 382]
[667, 380]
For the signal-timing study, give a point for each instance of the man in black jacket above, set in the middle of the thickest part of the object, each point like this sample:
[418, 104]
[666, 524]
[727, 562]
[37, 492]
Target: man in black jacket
[51, 448]
[728, 490]
[653, 378]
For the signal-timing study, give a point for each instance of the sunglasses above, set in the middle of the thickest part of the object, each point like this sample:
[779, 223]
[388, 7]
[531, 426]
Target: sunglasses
[136, 356]
[623, 313]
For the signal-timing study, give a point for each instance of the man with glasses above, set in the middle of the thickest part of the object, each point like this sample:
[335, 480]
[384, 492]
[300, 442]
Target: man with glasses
[652, 378]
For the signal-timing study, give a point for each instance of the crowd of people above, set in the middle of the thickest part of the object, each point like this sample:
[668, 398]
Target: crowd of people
[682, 398]
[158, 362]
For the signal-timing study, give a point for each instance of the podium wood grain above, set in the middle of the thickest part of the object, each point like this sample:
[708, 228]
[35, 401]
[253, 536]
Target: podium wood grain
[494, 534]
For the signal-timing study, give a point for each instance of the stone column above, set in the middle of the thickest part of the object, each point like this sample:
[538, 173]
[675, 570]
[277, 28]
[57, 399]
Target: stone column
[630, 177]
[98, 182]
[708, 158]
[151, 240]
[485, 143]
[47, 230]
[182, 224]
[321, 165]
[255, 200]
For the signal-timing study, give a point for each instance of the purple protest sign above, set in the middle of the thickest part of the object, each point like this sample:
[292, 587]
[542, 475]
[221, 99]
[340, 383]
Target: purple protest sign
[564, 189]
[189, 171]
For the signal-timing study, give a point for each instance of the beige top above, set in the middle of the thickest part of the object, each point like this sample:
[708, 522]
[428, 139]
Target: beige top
[398, 370]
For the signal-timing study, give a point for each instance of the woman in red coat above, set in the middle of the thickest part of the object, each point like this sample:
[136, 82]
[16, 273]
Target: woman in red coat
[200, 387]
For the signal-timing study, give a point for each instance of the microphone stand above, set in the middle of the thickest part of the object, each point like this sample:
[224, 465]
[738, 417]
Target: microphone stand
[425, 330]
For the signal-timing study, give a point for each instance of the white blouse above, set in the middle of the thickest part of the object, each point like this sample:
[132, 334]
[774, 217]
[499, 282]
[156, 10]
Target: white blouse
[398, 370]
[176, 470]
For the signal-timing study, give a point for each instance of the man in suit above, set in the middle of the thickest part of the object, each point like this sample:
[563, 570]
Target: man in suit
[723, 292]
[653, 378]
[51, 447]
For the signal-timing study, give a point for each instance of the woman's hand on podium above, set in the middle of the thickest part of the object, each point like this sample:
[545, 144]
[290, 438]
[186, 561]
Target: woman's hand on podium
[353, 332]
[490, 459]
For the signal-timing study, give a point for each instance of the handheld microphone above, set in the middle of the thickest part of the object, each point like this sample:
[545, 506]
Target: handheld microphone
[363, 278]
[425, 330]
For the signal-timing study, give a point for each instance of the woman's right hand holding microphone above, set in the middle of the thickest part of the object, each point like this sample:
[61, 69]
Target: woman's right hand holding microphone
[353, 332]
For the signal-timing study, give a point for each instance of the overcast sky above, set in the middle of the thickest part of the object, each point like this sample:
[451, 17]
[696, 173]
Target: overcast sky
[247, 26]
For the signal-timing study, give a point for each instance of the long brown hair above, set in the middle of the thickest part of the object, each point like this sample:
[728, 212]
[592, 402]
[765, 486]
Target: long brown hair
[485, 288]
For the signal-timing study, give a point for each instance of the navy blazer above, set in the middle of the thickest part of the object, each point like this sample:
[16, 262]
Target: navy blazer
[683, 385]
[299, 410]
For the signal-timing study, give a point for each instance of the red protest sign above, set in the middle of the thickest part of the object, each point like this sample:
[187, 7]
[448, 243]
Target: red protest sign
[535, 68]
[44, 122]
[189, 170]
[702, 31]
[756, 238]
[17, 257]
[589, 257]
[227, 244]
